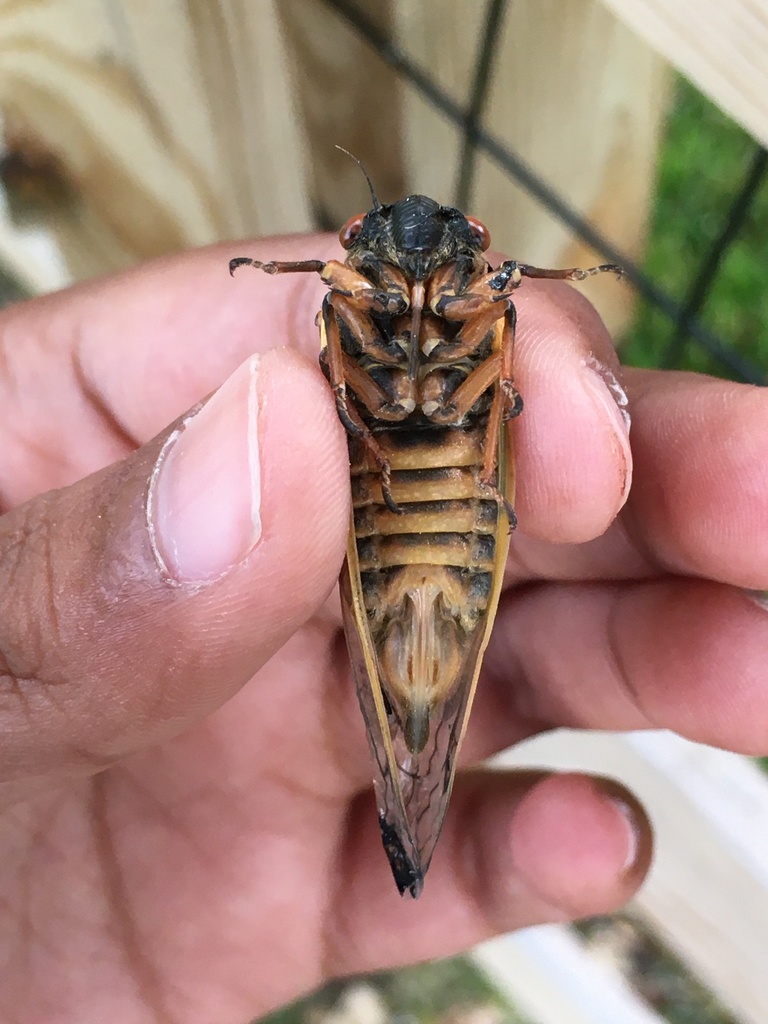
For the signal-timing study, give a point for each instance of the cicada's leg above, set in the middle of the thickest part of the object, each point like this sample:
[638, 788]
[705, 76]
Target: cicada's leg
[354, 298]
[507, 404]
[360, 324]
[374, 398]
[272, 267]
[483, 378]
[489, 471]
[341, 369]
[571, 274]
[473, 331]
[497, 370]
[341, 279]
[488, 375]
[498, 367]
[448, 300]
[485, 293]
[479, 305]
[365, 294]
[458, 404]
[345, 368]
[486, 300]
[512, 401]
[356, 295]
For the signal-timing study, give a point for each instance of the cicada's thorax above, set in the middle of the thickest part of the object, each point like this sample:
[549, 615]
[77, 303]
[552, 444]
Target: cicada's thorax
[426, 572]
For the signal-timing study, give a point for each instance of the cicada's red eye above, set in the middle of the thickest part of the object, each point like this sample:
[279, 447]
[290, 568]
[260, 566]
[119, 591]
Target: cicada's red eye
[480, 232]
[351, 230]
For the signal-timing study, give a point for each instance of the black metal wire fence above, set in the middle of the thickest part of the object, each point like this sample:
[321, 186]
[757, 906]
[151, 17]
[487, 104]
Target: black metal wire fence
[683, 316]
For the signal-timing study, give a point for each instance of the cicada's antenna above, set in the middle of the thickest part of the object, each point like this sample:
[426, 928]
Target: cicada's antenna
[376, 203]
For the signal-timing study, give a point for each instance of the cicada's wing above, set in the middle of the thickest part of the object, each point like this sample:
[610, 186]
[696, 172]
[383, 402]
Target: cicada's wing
[413, 780]
[396, 834]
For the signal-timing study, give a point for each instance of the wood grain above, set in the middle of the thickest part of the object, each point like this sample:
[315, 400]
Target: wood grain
[173, 123]
[578, 97]
[720, 45]
[348, 97]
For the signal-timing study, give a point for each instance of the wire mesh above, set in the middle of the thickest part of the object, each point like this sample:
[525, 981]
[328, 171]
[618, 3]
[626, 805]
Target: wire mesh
[684, 317]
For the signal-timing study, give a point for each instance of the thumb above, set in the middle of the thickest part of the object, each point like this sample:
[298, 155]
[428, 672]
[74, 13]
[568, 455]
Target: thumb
[142, 597]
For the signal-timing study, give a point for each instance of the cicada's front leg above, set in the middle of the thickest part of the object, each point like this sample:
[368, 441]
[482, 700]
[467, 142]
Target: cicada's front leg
[273, 267]
[340, 278]
[353, 297]
[480, 305]
[570, 274]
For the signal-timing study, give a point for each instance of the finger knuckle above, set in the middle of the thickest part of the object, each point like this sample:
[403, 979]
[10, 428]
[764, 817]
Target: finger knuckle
[30, 619]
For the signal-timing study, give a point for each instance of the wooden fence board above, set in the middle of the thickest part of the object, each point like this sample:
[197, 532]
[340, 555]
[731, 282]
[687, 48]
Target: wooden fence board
[348, 97]
[720, 45]
[174, 123]
[577, 96]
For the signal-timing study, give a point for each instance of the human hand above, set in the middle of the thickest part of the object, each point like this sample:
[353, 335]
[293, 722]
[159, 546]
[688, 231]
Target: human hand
[187, 831]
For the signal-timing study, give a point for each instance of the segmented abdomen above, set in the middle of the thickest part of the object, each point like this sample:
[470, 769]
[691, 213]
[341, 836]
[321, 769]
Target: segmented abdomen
[427, 572]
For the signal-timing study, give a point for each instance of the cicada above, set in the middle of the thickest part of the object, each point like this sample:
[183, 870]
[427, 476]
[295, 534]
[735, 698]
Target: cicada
[417, 338]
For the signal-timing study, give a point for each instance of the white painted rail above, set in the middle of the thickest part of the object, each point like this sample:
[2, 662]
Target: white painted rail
[551, 977]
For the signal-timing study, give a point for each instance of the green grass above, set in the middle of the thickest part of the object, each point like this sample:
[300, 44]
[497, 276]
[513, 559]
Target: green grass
[703, 161]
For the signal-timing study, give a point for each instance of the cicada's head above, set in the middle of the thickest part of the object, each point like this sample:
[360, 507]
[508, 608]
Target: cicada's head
[416, 234]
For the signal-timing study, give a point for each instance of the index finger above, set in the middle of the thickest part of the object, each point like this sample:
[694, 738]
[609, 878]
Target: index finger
[92, 372]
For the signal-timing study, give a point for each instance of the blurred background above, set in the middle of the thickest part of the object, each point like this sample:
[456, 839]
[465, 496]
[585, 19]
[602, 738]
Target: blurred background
[579, 131]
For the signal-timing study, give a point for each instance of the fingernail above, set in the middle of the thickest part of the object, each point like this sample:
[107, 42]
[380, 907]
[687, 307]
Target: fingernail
[204, 497]
[638, 841]
[605, 389]
[632, 828]
[613, 386]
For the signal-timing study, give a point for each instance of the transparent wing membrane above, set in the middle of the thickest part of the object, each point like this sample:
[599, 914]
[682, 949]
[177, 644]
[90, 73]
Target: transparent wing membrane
[415, 684]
